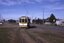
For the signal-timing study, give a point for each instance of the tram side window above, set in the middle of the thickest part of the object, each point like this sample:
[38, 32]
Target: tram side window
[29, 20]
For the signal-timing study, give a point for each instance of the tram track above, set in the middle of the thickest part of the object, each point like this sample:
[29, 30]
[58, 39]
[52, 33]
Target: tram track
[26, 36]
[32, 35]
[36, 37]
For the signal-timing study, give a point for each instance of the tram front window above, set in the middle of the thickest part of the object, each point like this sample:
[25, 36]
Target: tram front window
[23, 20]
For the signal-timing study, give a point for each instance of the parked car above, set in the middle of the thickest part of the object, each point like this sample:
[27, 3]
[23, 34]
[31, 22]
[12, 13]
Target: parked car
[1, 23]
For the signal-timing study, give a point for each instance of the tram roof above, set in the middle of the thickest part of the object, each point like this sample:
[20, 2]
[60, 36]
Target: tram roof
[24, 17]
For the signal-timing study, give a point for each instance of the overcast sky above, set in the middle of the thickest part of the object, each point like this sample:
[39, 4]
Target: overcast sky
[13, 9]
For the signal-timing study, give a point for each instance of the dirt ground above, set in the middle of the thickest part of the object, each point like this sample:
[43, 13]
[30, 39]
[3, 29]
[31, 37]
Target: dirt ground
[35, 34]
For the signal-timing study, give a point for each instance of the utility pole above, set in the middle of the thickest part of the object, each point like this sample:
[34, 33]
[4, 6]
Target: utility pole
[43, 16]
[0, 17]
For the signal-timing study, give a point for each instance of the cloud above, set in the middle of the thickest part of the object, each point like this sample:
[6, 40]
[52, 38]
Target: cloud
[39, 1]
[47, 4]
[16, 2]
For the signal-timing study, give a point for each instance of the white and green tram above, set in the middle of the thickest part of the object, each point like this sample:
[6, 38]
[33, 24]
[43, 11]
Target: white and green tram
[24, 22]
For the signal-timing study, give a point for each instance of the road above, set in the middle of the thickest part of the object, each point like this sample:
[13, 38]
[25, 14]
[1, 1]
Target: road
[35, 34]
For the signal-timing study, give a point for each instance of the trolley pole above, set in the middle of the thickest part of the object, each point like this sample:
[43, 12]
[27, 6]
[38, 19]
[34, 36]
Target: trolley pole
[26, 10]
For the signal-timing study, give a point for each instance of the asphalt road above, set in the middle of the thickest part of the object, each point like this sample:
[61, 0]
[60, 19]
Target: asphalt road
[35, 34]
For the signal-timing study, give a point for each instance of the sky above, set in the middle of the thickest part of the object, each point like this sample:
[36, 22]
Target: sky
[13, 9]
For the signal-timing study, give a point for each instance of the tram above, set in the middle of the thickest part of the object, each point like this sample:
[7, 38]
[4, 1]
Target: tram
[24, 21]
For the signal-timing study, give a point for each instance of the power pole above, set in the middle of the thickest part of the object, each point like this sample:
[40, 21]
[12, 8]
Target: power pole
[0, 17]
[43, 16]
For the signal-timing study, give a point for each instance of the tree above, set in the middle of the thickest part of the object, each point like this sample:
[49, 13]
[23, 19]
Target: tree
[11, 21]
[52, 18]
[37, 21]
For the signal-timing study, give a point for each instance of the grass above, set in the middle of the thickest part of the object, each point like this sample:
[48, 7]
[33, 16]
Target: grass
[3, 35]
